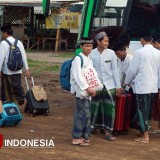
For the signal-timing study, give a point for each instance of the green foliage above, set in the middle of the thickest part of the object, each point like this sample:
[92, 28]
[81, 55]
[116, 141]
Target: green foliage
[40, 67]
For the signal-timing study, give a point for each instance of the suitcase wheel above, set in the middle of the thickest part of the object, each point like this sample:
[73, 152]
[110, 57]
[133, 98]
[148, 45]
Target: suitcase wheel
[32, 114]
[35, 111]
[46, 114]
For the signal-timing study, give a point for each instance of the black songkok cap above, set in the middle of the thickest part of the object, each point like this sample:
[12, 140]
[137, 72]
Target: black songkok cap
[156, 37]
[118, 46]
[145, 33]
[87, 40]
[6, 28]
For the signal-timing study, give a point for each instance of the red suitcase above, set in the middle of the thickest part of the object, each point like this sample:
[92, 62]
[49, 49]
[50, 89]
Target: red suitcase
[123, 111]
[156, 108]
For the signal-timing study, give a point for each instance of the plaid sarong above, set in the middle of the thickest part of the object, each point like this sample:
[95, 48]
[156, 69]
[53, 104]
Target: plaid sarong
[81, 121]
[103, 110]
[11, 89]
[144, 109]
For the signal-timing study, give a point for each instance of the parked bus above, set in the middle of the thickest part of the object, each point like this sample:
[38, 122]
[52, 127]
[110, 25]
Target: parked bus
[118, 16]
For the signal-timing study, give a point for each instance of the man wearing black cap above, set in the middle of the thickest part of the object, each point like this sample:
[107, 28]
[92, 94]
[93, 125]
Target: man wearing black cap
[144, 69]
[125, 39]
[11, 88]
[123, 62]
[103, 104]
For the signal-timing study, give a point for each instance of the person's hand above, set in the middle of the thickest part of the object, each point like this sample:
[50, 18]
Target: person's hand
[0, 74]
[125, 85]
[91, 92]
[119, 91]
[27, 73]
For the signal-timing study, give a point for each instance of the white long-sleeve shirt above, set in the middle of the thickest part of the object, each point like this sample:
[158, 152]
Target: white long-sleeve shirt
[4, 54]
[123, 66]
[145, 68]
[78, 83]
[105, 64]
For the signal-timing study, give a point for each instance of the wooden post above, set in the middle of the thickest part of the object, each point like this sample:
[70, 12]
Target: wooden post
[57, 39]
[1, 108]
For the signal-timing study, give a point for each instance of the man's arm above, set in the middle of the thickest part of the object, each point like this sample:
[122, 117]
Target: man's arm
[2, 55]
[114, 68]
[133, 68]
[77, 73]
[24, 58]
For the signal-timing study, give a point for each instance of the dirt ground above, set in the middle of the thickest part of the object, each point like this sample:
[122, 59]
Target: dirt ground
[58, 125]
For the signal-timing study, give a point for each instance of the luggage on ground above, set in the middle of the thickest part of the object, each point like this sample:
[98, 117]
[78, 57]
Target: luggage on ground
[123, 111]
[33, 106]
[10, 115]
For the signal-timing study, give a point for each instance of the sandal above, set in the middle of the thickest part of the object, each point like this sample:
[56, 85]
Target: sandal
[141, 140]
[154, 132]
[85, 140]
[110, 137]
[84, 144]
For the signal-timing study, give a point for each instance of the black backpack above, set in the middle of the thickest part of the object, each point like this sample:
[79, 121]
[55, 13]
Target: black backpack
[15, 61]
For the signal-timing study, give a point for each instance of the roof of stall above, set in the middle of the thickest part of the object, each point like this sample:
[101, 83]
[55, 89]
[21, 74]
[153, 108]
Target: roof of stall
[33, 2]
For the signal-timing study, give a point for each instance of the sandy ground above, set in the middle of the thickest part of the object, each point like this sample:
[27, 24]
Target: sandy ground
[58, 124]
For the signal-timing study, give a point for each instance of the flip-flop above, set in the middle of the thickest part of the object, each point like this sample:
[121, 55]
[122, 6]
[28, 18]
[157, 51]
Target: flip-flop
[141, 140]
[158, 131]
[110, 137]
[155, 132]
[84, 144]
[85, 140]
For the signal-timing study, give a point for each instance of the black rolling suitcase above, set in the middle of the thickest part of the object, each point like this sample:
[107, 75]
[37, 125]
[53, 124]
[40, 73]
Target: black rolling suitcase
[33, 106]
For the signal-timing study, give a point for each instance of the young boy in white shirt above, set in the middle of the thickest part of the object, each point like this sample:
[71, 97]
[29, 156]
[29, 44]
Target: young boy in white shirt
[83, 93]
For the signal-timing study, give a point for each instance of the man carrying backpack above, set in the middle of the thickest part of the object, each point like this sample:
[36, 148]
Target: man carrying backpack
[11, 88]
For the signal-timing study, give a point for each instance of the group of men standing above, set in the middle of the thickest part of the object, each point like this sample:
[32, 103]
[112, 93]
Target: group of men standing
[139, 74]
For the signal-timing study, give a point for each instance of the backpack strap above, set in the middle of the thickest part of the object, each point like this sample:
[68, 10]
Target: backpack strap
[9, 43]
[15, 43]
[81, 60]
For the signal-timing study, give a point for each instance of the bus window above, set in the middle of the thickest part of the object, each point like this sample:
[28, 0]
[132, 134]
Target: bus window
[144, 15]
[110, 13]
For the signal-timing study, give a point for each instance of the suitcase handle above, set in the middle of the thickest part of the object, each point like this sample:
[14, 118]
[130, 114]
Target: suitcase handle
[27, 82]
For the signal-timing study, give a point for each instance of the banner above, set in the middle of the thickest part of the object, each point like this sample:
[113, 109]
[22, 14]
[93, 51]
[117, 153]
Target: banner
[62, 18]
